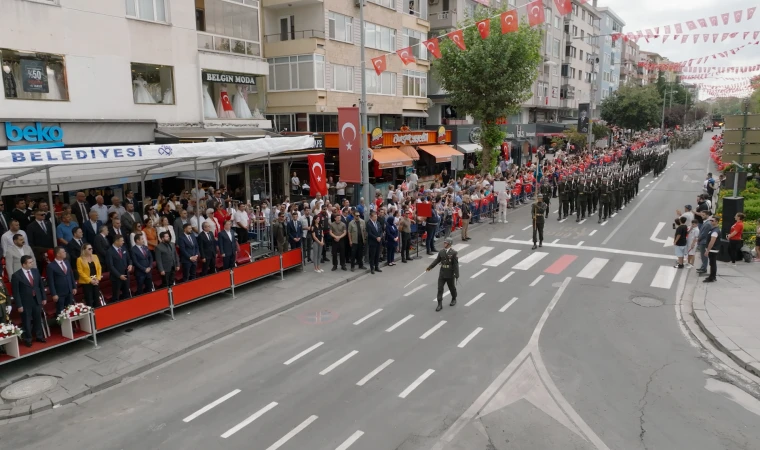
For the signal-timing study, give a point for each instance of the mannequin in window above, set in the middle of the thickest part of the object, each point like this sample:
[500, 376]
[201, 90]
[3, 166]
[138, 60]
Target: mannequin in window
[208, 104]
[257, 114]
[240, 103]
[9, 82]
[141, 93]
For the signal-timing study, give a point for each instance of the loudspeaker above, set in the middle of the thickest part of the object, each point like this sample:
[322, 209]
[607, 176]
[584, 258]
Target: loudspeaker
[723, 255]
[742, 182]
[731, 206]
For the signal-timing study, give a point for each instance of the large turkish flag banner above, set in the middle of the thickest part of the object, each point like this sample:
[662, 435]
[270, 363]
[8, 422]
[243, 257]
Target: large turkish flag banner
[317, 178]
[349, 145]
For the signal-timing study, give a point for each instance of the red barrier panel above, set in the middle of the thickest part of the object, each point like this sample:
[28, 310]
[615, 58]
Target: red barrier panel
[130, 309]
[248, 272]
[291, 258]
[201, 287]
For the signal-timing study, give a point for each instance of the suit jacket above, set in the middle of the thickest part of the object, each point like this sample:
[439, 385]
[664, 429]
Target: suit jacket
[373, 232]
[22, 217]
[89, 233]
[39, 237]
[178, 227]
[13, 258]
[117, 264]
[83, 270]
[60, 283]
[22, 289]
[294, 229]
[280, 235]
[140, 261]
[227, 246]
[206, 246]
[112, 235]
[355, 227]
[77, 210]
[101, 246]
[75, 251]
[166, 257]
[187, 248]
[128, 221]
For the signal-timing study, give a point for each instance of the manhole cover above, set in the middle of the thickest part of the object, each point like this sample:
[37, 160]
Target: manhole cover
[647, 302]
[28, 388]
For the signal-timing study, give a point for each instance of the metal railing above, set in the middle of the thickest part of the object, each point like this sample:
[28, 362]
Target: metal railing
[225, 44]
[294, 35]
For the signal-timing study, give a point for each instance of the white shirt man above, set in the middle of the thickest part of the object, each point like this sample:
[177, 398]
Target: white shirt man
[101, 209]
[7, 239]
[240, 218]
[295, 183]
[390, 193]
[340, 187]
[194, 223]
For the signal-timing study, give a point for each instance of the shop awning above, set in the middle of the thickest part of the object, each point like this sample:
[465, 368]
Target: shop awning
[442, 153]
[468, 148]
[197, 134]
[410, 152]
[390, 157]
[414, 113]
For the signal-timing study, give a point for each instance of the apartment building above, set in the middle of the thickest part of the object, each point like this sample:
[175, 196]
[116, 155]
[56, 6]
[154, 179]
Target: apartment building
[651, 75]
[630, 72]
[610, 54]
[581, 29]
[313, 51]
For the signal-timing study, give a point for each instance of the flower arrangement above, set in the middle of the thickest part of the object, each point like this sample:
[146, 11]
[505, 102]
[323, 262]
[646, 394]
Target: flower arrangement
[8, 330]
[72, 311]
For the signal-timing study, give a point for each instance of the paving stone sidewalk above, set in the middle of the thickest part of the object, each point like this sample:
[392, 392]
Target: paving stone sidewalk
[728, 311]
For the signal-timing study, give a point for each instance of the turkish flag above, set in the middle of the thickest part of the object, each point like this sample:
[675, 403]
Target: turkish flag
[714, 21]
[692, 26]
[746, 33]
[667, 29]
[226, 105]
[751, 12]
[406, 55]
[679, 30]
[702, 23]
[433, 47]
[380, 64]
[349, 145]
[754, 35]
[724, 37]
[738, 16]
[509, 21]
[458, 37]
[535, 12]
[484, 27]
[317, 177]
[564, 6]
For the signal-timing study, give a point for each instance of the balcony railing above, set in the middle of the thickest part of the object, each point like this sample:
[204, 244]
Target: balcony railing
[294, 35]
[226, 44]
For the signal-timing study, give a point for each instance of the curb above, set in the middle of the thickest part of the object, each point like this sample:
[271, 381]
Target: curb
[716, 336]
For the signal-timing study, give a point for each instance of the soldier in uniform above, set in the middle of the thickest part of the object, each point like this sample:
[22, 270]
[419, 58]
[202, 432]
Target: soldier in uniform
[546, 191]
[564, 201]
[582, 196]
[573, 193]
[449, 272]
[604, 200]
[538, 212]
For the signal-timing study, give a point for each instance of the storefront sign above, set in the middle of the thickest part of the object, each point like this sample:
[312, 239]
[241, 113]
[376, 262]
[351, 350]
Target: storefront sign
[319, 142]
[441, 137]
[520, 133]
[33, 136]
[475, 135]
[34, 76]
[376, 138]
[411, 138]
[232, 78]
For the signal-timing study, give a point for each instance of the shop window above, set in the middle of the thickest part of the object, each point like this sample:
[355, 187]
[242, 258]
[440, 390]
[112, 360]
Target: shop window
[232, 96]
[297, 73]
[415, 123]
[323, 123]
[379, 37]
[415, 83]
[33, 76]
[373, 122]
[342, 78]
[414, 39]
[341, 28]
[152, 84]
[152, 10]
[282, 122]
[383, 84]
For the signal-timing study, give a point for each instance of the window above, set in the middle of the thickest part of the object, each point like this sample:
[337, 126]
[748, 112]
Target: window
[343, 78]
[582, 34]
[380, 38]
[373, 122]
[565, 69]
[555, 48]
[282, 122]
[572, 72]
[575, 9]
[414, 38]
[580, 74]
[323, 123]
[383, 84]
[387, 3]
[221, 20]
[575, 30]
[570, 51]
[548, 15]
[294, 73]
[604, 95]
[415, 83]
[583, 14]
[341, 27]
[153, 10]
[557, 22]
[152, 84]
[580, 55]
[33, 76]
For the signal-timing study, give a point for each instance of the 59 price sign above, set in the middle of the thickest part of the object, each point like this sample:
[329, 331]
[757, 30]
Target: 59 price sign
[34, 76]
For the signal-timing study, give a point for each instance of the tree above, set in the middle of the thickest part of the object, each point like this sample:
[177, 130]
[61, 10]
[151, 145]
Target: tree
[634, 107]
[674, 116]
[491, 78]
[599, 131]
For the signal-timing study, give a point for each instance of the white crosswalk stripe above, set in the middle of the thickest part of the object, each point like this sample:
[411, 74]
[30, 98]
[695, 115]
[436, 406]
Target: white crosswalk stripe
[530, 261]
[664, 277]
[499, 259]
[593, 268]
[458, 247]
[627, 273]
[475, 254]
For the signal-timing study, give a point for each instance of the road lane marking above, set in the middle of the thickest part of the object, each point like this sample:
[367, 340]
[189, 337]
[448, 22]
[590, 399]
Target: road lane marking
[368, 316]
[435, 299]
[631, 214]
[248, 421]
[622, 207]
[537, 280]
[555, 211]
[477, 297]
[457, 247]
[475, 275]
[616, 251]
[283, 440]
[593, 268]
[500, 258]
[614, 214]
[415, 290]
[399, 323]
[416, 383]
[510, 236]
[432, 330]
[374, 373]
[303, 353]
[664, 277]
[528, 227]
[581, 222]
[478, 252]
[506, 277]
[211, 405]
[604, 223]
[580, 243]
[332, 366]
[555, 241]
[627, 273]
[509, 303]
[350, 441]
[560, 264]
[530, 261]
[470, 337]
[563, 220]
[593, 232]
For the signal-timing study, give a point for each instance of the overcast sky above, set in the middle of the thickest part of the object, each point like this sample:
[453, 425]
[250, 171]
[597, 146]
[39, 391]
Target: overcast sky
[643, 14]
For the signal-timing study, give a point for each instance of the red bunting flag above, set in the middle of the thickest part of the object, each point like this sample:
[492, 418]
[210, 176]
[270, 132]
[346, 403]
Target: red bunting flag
[536, 13]
[679, 30]
[380, 64]
[649, 33]
[706, 37]
[755, 34]
[484, 27]
[667, 29]
[724, 37]
[458, 37]
[751, 12]
[564, 7]
[683, 39]
[433, 47]
[702, 23]
[695, 38]
[715, 37]
[509, 21]
[738, 16]
[406, 55]
[656, 31]
[675, 38]
[725, 17]
[732, 35]
[714, 21]
[665, 37]
[692, 26]
[746, 33]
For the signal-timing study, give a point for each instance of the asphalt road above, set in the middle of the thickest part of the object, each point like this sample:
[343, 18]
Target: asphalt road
[576, 345]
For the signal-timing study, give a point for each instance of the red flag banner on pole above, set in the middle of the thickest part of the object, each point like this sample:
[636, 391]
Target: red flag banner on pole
[433, 47]
[509, 21]
[484, 27]
[380, 64]
[349, 145]
[458, 37]
[564, 7]
[317, 177]
[406, 55]
[535, 13]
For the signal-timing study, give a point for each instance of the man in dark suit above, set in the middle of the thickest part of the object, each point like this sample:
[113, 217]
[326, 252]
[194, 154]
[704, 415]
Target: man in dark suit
[129, 219]
[74, 249]
[207, 250]
[115, 230]
[101, 244]
[21, 213]
[81, 209]
[61, 281]
[143, 261]
[375, 240]
[188, 253]
[295, 231]
[5, 218]
[29, 294]
[91, 227]
[119, 265]
[228, 245]
[179, 223]
[40, 233]
[167, 261]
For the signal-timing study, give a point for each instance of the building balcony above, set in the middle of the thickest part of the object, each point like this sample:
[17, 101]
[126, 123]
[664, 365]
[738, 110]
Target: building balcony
[227, 45]
[442, 20]
[294, 43]
[287, 3]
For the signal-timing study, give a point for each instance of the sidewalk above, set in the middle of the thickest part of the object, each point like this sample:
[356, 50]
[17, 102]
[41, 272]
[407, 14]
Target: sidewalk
[728, 311]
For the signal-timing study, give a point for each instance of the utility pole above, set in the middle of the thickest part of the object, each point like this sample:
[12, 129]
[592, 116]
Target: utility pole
[363, 111]
[594, 60]
[686, 108]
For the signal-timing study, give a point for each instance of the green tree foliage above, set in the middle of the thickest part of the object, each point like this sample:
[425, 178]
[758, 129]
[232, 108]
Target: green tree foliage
[634, 107]
[492, 78]
[599, 131]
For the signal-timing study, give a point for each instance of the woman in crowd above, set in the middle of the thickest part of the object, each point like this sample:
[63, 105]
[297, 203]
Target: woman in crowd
[319, 242]
[150, 213]
[90, 272]
[391, 238]
[164, 225]
[150, 234]
[136, 228]
[735, 240]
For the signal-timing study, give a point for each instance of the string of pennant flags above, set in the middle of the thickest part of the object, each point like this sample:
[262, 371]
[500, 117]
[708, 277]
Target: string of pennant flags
[686, 66]
[690, 25]
[684, 38]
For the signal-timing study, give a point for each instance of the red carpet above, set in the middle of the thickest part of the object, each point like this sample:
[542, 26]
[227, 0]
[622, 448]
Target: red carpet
[54, 339]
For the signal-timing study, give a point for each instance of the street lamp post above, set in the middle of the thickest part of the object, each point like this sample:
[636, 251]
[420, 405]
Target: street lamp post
[363, 110]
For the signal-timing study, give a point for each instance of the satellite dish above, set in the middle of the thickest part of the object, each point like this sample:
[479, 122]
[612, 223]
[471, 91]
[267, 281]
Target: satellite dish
[211, 139]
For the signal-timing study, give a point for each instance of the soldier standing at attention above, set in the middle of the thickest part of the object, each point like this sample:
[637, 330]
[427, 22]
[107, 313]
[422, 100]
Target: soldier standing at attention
[449, 272]
[546, 191]
[564, 202]
[538, 212]
[580, 212]
[604, 200]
